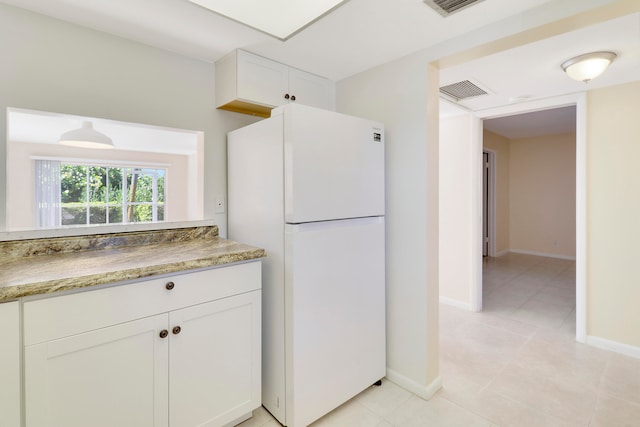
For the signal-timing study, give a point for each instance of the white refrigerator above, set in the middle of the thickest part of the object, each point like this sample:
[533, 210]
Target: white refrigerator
[307, 185]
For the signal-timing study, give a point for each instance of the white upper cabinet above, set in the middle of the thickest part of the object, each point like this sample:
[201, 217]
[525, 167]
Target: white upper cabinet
[251, 84]
[309, 89]
[260, 80]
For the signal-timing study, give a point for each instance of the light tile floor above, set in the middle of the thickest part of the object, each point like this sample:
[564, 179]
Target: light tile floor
[515, 364]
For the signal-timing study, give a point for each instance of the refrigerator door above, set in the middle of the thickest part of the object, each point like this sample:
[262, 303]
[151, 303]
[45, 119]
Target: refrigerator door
[335, 314]
[334, 165]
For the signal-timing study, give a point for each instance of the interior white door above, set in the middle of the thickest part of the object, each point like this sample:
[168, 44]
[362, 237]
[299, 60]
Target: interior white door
[334, 165]
[115, 376]
[335, 314]
[215, 361]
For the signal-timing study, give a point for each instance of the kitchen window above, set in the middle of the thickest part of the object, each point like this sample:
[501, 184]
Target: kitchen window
[71, 193]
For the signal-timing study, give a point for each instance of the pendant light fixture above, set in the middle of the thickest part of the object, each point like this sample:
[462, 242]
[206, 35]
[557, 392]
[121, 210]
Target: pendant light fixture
[588, 66]
[86, 137]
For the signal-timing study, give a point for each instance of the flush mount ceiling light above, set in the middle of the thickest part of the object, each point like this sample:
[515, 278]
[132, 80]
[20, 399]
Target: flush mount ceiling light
[588, 66]
[279, 18]
[86, 137]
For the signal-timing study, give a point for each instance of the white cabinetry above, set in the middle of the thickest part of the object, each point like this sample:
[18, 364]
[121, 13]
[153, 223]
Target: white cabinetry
[114, 376]
[214, 360]
[10, 364]
[250, 84]
[182, 351]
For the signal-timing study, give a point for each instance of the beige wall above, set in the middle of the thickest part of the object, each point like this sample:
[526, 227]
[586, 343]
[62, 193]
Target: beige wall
[456, 235]
[500, 145]
[613, 214]
[21, 210]
[542, 195]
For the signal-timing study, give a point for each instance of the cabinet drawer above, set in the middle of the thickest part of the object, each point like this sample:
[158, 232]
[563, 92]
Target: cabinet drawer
[61, 316]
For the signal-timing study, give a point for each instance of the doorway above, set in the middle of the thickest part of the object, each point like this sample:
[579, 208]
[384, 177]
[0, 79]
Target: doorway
[488, 202]
[580, 192]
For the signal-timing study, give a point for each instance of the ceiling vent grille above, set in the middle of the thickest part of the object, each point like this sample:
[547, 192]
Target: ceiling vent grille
[447, 7]
[462, 90]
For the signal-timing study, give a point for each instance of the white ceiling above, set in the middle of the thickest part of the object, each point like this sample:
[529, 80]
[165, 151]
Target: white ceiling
[356, 36]
[533, 71]
[555, 121]
[361, 34]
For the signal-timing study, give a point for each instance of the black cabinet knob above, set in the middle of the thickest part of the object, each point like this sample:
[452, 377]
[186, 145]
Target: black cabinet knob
[176, 330]
[164, 333]
[286, 96]
[293, 97]
[170, 285]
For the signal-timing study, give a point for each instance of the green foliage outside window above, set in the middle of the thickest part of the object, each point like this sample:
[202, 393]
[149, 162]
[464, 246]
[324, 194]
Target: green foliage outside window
[111, 195]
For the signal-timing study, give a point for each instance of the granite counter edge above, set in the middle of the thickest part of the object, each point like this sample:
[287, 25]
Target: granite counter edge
[78, 282]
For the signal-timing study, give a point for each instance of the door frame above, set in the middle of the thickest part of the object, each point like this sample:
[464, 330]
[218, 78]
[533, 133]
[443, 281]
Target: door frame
[491, 200]
[580, 101]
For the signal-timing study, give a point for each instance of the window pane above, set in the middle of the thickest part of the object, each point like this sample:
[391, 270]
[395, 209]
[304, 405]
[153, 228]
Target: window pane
[73, 213]
[115, 186]
[160, 188]
[73, 183]
[141, 187]
[141, 213]
[115, 214]
[97, 184]
[98, 213]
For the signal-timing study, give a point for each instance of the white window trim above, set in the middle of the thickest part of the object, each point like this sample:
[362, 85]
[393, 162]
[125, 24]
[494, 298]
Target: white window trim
[109, 163]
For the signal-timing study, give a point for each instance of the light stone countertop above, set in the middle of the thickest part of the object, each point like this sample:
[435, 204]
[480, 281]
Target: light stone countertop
[42, 266]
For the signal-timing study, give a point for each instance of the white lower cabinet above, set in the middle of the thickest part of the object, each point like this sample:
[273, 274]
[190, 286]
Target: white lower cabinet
[10, 364]
[214, 360]
[193, 366]
[115, 376]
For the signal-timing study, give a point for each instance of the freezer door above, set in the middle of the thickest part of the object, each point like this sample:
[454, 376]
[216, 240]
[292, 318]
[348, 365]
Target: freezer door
[335, 314]
[334, 165]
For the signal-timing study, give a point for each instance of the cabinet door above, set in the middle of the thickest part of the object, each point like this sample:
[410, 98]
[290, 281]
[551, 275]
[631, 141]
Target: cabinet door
[10, 364]
[115, 376]
[214, 371]
[261, 80]
[310, 89]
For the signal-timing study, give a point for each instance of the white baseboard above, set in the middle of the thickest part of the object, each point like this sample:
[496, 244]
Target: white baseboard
[544, 254]
[501, 253]
[423, 391]
[237, 421]
[455, 303]
[618, 347]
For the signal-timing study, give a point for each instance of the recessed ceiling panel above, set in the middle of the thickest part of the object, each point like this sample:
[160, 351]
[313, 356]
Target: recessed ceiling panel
[279, 18]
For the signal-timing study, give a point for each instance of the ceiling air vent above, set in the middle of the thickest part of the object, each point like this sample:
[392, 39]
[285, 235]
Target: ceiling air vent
[462, 90]
[447, 7]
